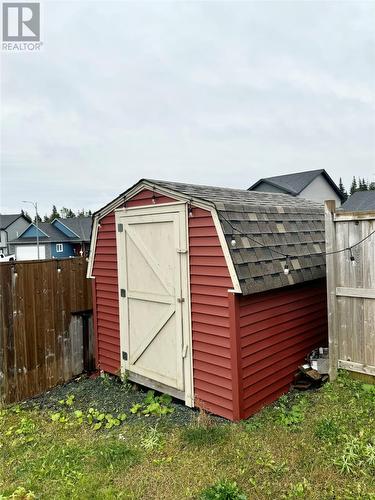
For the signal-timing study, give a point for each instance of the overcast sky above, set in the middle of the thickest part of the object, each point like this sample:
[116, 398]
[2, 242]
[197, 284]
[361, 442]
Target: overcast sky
[219, 93]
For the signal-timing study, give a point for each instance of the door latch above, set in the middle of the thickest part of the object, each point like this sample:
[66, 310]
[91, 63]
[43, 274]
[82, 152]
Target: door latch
[180, 300]
[181, 250]
[124, 355]
[123, 292]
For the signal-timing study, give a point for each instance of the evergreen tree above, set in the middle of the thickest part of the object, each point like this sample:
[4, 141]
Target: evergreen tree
[39, 219]
[54, 214]
[353, 187]
[371, 186]
[343, 190]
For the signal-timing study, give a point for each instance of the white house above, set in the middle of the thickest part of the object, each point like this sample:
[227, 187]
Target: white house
[314, 185]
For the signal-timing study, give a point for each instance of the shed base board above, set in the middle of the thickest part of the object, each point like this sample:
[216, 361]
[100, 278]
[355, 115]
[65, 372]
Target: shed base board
[153, 384]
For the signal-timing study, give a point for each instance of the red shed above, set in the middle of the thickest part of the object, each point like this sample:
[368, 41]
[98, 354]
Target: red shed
[191, 297]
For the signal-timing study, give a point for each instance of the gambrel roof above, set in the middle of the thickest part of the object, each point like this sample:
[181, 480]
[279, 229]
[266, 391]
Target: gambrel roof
[265, 226]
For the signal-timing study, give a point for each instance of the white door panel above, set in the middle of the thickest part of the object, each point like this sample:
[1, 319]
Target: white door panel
[30, 252]
[154, 274]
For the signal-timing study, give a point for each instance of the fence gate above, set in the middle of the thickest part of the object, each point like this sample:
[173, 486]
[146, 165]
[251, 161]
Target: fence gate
[351, 289]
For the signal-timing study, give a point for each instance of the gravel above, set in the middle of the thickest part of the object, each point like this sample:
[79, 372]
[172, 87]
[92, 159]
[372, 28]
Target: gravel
[108, 395]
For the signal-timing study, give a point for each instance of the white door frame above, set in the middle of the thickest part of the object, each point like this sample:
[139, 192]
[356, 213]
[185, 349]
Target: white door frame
[180, 210]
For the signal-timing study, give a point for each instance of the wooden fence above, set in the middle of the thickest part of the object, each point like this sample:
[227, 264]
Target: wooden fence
[45, 325]
[351, 290]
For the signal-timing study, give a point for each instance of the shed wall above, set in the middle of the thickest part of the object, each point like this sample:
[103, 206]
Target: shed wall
[277, 330]
[209, 283]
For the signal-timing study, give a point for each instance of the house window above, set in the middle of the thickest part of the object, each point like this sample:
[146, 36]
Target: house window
[59, 247]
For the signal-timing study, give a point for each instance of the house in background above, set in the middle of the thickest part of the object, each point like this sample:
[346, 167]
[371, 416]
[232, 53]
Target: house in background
[59, 239]
[361, 201]
[315, 185]
[11, 226]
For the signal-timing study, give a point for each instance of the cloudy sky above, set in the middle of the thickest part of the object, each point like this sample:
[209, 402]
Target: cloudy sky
[219, 93]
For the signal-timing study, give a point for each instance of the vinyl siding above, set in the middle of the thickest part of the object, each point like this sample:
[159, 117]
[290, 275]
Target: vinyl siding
[277, 330]
[209, 284]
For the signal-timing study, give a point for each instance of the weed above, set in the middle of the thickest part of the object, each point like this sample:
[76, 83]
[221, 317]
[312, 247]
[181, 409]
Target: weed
[19, 493]
[153, 440]
[68, 401]
[358, 455]
[291, 416]
[327, 429]
[153, 405]
[298, 490]
[223, 490]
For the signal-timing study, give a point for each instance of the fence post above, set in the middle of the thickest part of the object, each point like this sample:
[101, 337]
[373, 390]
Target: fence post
[330, 237]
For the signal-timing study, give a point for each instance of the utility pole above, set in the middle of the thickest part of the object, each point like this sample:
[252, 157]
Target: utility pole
[35, 205]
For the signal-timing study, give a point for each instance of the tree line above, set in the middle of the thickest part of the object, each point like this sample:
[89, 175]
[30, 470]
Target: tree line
[358, 184]
[63, 213]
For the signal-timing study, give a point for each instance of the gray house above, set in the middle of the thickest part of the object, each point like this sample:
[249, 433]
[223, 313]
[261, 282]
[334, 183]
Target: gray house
[361, 201]
[11, 226]
[315, 185]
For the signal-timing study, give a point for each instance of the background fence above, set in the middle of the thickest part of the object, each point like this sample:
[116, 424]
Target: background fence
[46, 328]
[351, 290]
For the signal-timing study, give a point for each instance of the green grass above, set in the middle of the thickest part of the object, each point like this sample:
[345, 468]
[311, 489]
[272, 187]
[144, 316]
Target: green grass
[316, 445]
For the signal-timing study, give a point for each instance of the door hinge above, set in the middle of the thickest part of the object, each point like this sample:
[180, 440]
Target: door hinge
[123, 292]
[124, 355]
[120, 228]
[184, 351]
[180, 300]
[181, 250]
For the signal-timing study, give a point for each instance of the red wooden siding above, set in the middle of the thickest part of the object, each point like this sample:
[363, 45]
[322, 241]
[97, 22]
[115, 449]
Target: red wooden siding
[209, 282]
[277, 330]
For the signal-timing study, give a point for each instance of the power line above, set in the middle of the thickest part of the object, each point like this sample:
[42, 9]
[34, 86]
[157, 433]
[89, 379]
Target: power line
[287, 256]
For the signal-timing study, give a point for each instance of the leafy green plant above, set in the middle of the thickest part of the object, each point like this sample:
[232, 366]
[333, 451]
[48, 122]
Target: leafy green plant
[327, 429]
[223, 490]
[24, 431]
[291, 416]
[68, 401]
[153, 405]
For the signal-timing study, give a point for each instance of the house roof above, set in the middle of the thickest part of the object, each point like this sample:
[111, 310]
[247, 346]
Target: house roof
[7, 219]
[54, 235]
[266, 226]
[268, 223]
[81, 226]
[295, 183]
[361, 201]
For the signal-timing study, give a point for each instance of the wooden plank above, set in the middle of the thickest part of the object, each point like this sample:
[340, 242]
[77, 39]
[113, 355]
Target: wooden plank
[36, 306]
[353, 216]
[356, 367]
[365, 293]
[330, 234]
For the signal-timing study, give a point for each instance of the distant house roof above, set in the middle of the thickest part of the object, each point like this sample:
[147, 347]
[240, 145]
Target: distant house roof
[7, 219]
[266, 224]
[295, 183]
[81, 227]
[361, 201]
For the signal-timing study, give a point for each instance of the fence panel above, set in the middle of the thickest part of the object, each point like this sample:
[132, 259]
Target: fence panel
[46, 332]
[351, 289]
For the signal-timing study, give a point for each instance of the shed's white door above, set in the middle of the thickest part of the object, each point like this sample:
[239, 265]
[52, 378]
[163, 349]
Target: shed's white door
[154, 302]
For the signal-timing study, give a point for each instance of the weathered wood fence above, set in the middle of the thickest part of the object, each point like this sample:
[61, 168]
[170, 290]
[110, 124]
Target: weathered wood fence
[351, 290]
[45, 325]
